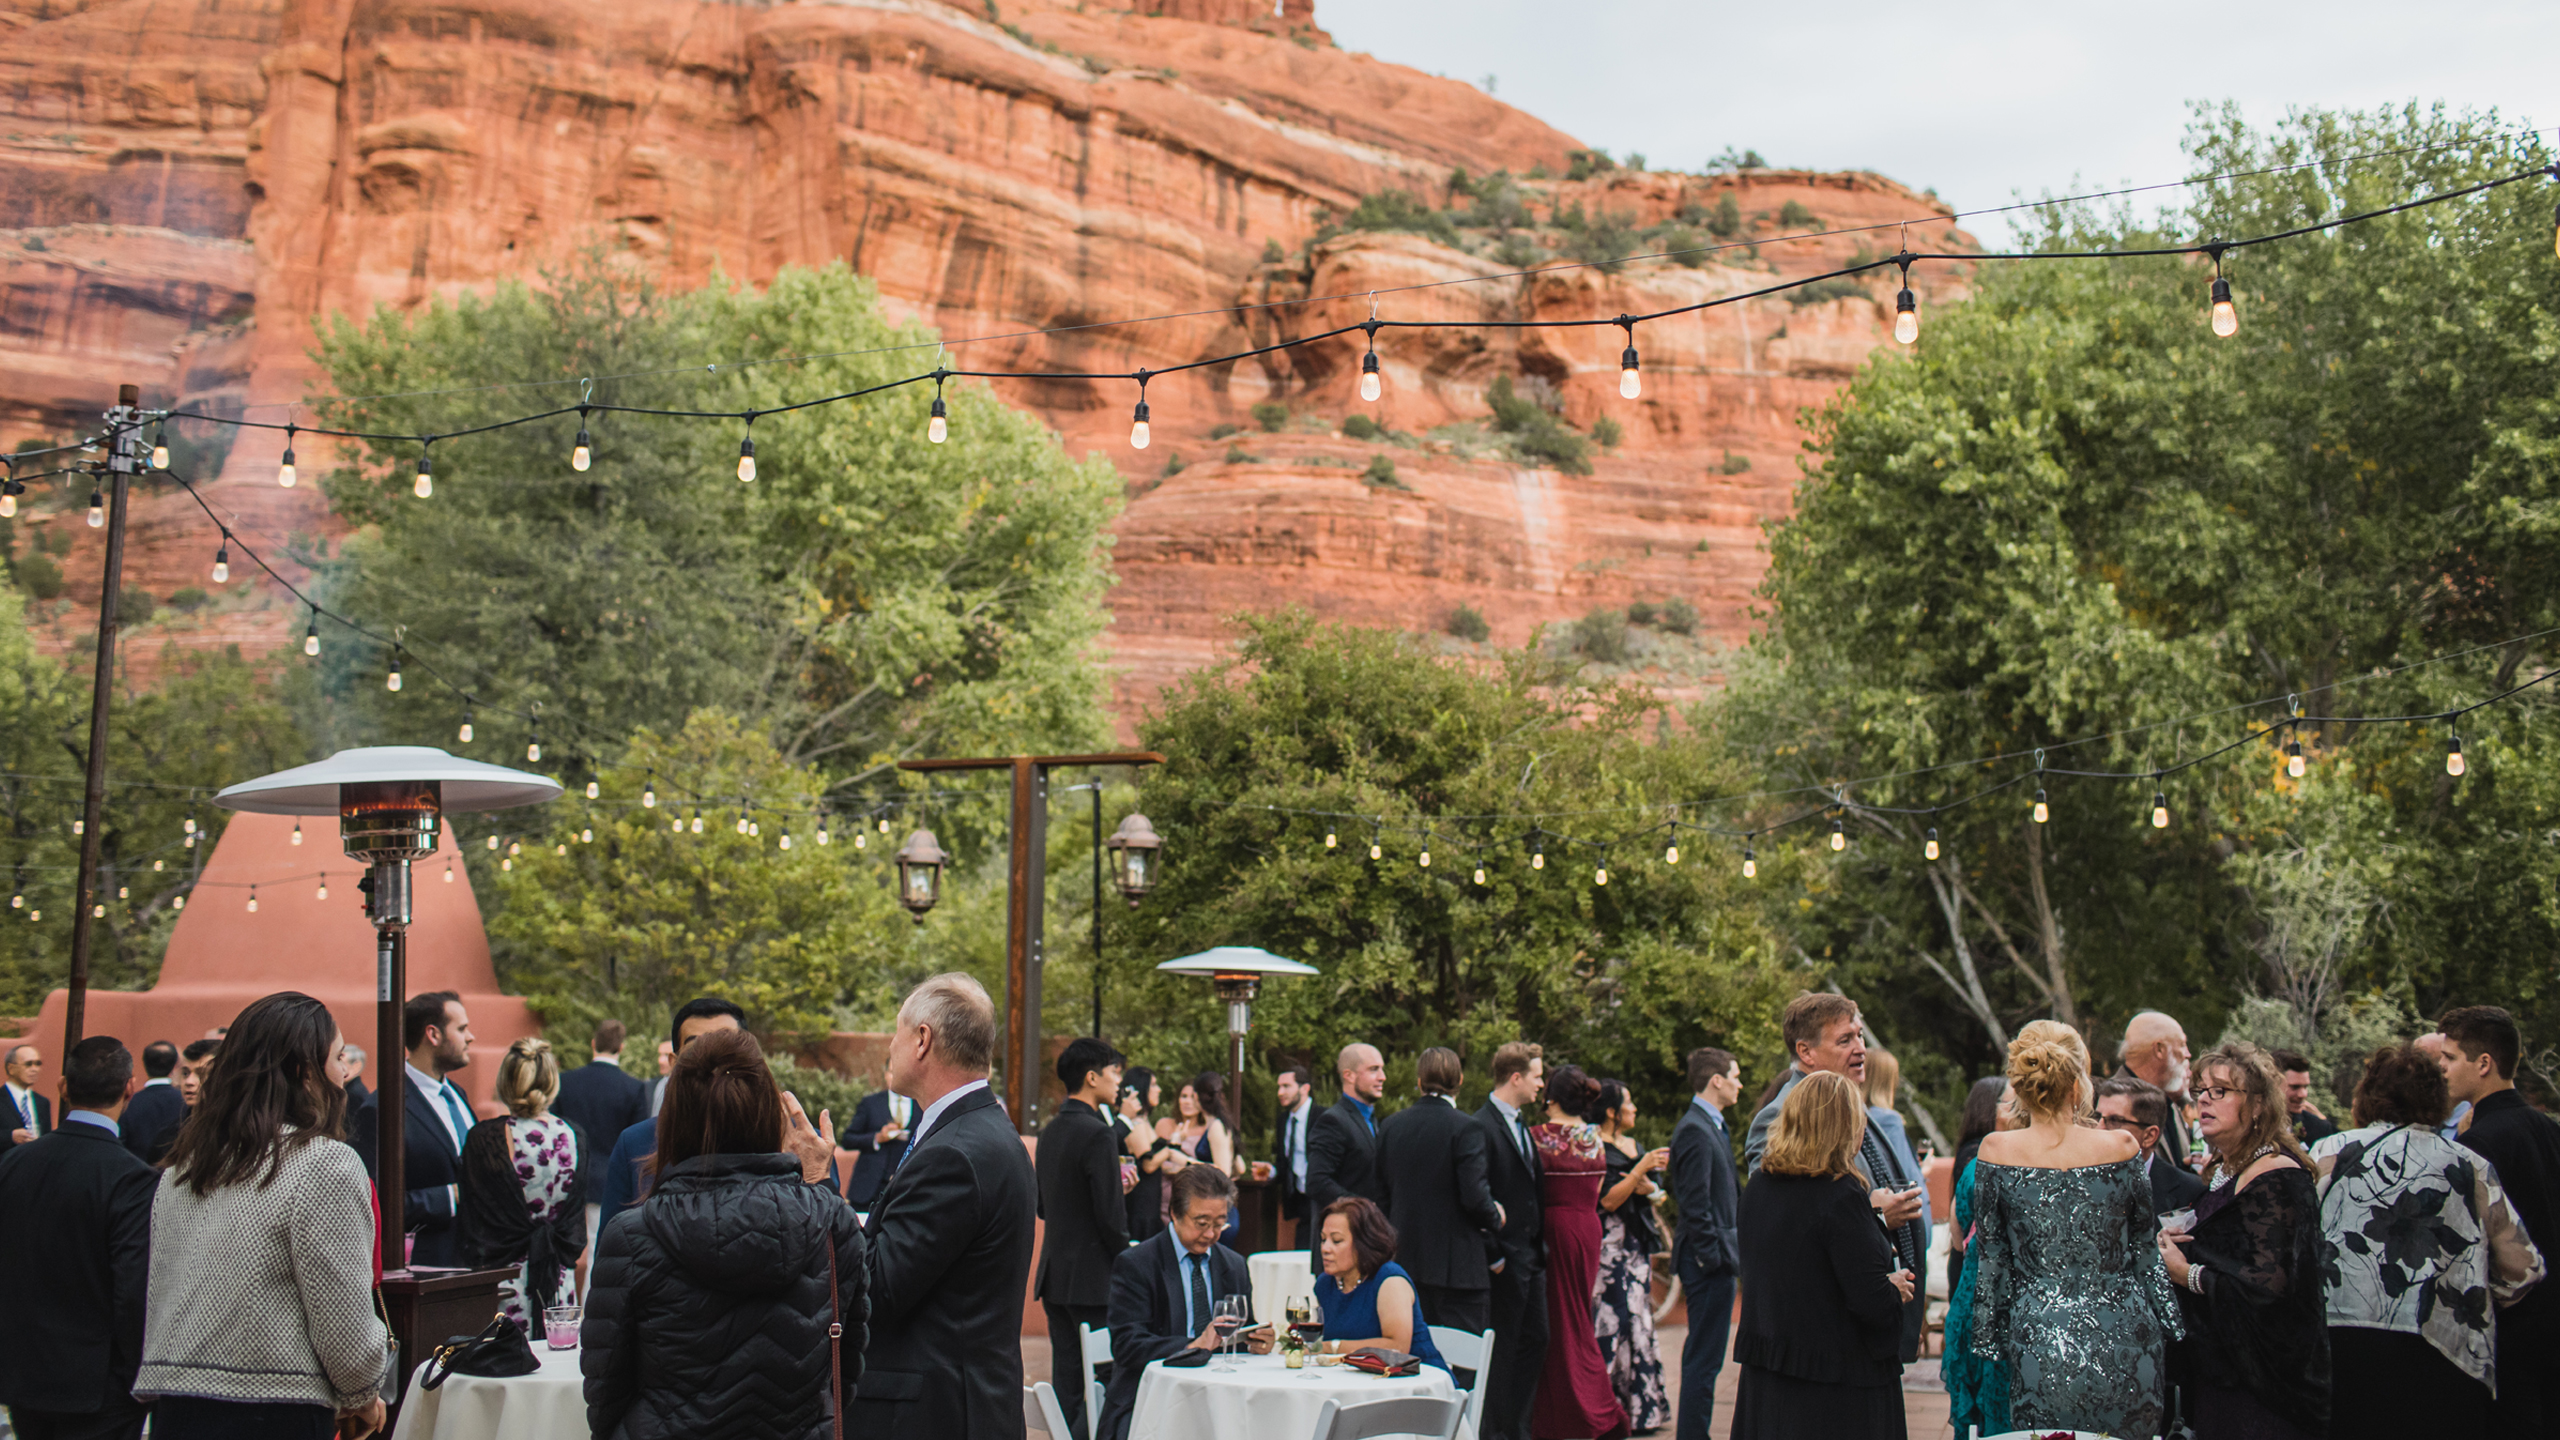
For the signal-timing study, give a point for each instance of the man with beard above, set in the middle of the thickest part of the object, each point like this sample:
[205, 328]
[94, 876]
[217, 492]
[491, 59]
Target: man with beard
[434, 1119]
[2155, 1051]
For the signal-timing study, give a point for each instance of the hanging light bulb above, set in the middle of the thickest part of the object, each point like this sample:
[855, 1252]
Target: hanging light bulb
[8, 499]
[1630, 384]
[1369, 387]
[190, 827]
[755, 829]
[861, 841]
[742, 822]
[1671, 855]
[884, 827]
[1377, 851]
[425, 485]
[448, 872]
[515, 847]
[1328, 839]
[1138, 425]
[311, 633]
[157, 866]
[97, 510]
[493, 842]
[938, 428]
[508, 863]
[560, 849]
[18, 901]
[160, 447]
[253, 899]
[533, 741]
[97, 912]
[697, 822]
[465, 732]
[747, 458]
[1600, 876]
[1906, 315]
[1479, 874]
[79, 827]
[594, 790]
[1929, 847]
[297, 832]
[2453, 756]
[786, 839]
[649, 791]
[582, 454]
[2042, 814]
[1426, 859]
[1538, 860]
[1750, 864]
[2226, 318]
[2293, 765]
[1839, 834]
[324, 888]
[177, 902]
[586, 834]
[124, 892]
[391, 681]
[191, 842]
[284, 467]
[222, 561]
[822, 830]
[2160, 810]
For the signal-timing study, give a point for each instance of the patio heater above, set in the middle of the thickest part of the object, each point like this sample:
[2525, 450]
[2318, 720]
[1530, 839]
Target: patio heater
[1237, 972]
[390, 801]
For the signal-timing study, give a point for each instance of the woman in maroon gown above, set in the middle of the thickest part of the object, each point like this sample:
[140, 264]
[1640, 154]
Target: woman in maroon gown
[1575, 1401]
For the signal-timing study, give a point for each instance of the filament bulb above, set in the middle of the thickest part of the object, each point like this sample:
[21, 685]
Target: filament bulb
[2453, 756]
[861, 841]
[1630, 384]
[448, 872]
[253, 899]
[697, 822]
[1377, 851]
[222, 564]
[2293, 760]
[786, 839]
[1750, 864]
[1929, 847]
[426, 482]
[1479, 874]
[465, 733]
[297, 832]
[586, 834]
[747, 460]
[8, 502]
[2160, 810]
[533, 748]
[1426, 859]
[594, 790]
[1369, 387]
[493, 842]
[560, 849]
[284, 467]
[582, 454]
[391, 682]
[742, 822]
[311, 639]
[1138, 428]
[2042, 814]
[324, 889]
[160, 448]
[1906, 317]
[938, 429]
[2226, 319]
[822, 832]
[97, 510]
[1538, 861]
[1839, 835]
[649, 793]
[1328, 839]
[1671, 855]
[1600, 876]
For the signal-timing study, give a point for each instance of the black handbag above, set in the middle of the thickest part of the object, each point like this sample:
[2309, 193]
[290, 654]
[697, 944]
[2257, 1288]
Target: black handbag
[494, 1354]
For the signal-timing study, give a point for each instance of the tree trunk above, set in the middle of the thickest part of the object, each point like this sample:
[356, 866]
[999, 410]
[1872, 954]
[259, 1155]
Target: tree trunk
[2049, 931]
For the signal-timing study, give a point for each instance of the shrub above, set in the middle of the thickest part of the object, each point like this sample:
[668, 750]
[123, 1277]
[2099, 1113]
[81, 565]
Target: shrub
[1174, 464]
[1583, 164]
[1535, 433]
[1399, 210]
[1601, 636]
[1605, 240]
[1517, 252]
[1272, 254]
[1381, 471]
[1733, 159]
[1221, 432]
[1361, 427]
[1793, 216]
[1608, 432]
[1642, 612]
[1725, 221]
[1498, 207]
[135, 606]
[1679, 616]
[39, 576]
[188, 599]
[1270, 415]
[1735, 464]
[1468, 623]
[1237, 455]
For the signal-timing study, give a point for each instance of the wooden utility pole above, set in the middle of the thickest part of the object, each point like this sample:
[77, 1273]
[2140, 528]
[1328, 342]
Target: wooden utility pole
[1026, 895]
[124, 460]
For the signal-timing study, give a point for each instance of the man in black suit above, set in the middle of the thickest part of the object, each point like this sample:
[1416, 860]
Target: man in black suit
[1518, 1253]
[1708, 1257]
[352, 1058]
[1342, 1143]
[155, 1107]
[434, 1118]
[82, 1204]
[624, 1185]
[193, 1063]
[951, 1236]
[1431, 1178]
[1162, 1291]
[2139, 1109]
[1295, 1088]
[878, 1139]
[2478, 1052]
[1085, 1225]
[602, 1100]
[29, 1114]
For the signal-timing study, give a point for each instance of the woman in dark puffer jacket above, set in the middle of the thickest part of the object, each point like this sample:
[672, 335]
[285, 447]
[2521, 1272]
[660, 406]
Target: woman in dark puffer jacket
[710, 1307]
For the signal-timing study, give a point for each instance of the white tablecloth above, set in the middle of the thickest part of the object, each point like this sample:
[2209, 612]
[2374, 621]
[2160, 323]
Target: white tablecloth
[1277, 1276]
[549, 1404]
[1261, 1399]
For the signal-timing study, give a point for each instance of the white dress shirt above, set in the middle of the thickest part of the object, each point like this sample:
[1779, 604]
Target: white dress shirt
[436, 1088]
[934, 1111]
[1297, 1122]
[25, 1101]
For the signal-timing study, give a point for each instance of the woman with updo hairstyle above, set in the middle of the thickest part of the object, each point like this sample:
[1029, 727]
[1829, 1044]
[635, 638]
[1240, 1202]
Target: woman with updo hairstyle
[2069, 1294]
[2249, 1274]
[1575, 1395]
[2418, 1231]
[524, 1203]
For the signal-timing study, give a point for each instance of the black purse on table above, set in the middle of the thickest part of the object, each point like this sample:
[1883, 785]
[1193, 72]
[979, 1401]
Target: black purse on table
[496, 1353]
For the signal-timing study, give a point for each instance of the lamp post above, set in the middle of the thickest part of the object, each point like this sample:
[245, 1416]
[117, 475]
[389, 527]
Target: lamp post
[1027, 894]
[390, 801]
[1237, 971]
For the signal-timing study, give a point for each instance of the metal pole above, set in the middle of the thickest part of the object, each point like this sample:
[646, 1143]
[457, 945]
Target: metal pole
[1025, 924]
[123, 455]
[1096, 787]
[387, 900]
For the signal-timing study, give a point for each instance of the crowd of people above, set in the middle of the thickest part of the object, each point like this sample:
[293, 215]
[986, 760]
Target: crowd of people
[2188, 1245]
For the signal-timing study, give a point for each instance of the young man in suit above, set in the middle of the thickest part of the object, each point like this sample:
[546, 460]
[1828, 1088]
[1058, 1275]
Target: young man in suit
[951, 1237]
[69, 1375]
[878, 1139]
[155, 1107]
[2479, 1052]
[1708, 1257]
[1342, 1143]
[1518, 1252]
[30, 1114]
[1432, 1175]
[602, 1100]
[623, 1187]
[1085, 1225]
[193, 1062]
[1295, 1088]
[2139, 1109]
[1162, 1291]
[434, 1118]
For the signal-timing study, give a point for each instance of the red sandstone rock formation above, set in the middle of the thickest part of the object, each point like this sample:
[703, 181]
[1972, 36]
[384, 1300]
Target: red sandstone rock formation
[188, 185]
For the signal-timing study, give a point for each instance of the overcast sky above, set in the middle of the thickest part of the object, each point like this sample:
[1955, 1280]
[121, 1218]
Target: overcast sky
[1983, 102]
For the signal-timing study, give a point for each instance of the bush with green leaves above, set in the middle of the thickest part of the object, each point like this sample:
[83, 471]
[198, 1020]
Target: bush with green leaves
[1535, 433]
[1391, 210]
[1382, 471]
[1679, 616]
[1583, 164]
[1271, 415]
[38, 575]
[1468, 623]
[1794, 216]
[1608, 432]
[1600, 636]
[1356, 426]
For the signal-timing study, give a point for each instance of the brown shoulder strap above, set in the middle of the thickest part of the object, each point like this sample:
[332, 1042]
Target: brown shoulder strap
[835, 1337]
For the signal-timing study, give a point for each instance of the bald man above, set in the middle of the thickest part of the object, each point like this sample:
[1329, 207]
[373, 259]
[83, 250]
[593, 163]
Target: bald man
[2155, 1051]
[1342, 1144]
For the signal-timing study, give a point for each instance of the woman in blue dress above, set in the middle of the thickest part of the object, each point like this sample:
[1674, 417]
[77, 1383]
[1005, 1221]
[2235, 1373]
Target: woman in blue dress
[1366, 1297]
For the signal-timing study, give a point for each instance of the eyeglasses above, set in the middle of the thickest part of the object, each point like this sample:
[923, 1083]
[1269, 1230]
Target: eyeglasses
[2120, 1122]
[2215, 1094]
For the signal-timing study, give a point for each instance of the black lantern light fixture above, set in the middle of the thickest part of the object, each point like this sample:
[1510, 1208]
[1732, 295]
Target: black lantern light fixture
[920, 863]
[1133, 850]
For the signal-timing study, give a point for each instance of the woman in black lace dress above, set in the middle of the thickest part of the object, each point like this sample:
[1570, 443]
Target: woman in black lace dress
[2249, 1273]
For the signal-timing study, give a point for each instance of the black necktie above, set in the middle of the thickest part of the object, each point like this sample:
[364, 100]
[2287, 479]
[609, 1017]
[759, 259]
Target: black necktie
[1871, 1151]
[1289, 1148]
[1199, 1291]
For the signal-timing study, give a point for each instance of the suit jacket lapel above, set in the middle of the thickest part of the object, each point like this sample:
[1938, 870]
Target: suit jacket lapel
[421, 1110]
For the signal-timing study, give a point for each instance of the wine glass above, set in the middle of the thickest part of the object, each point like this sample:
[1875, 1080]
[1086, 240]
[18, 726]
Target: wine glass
[1228, 1315]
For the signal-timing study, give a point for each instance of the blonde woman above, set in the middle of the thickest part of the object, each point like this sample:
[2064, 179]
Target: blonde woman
[1822, 1294]
[2068, 1292]
[523, 1203]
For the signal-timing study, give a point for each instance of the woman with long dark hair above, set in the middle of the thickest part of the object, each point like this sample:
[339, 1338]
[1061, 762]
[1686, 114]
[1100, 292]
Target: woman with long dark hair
[709, 1314]
[1151, 1153]
[1622, 1302]
[260, 1319]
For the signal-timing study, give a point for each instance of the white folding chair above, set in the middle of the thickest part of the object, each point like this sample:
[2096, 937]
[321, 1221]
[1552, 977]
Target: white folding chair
[1040, 1412]
[1465, 1350]
[1404, 1415]
[1094, 1347]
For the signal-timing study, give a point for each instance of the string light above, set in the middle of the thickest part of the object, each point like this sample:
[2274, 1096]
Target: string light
[786, 837]
[1377, 851]
[560, 849]
[1479, 874]
[2226, 316]
[1600, 876]
[2160, 810]
[9, 497]
[297, 832]
[508, 863]
[425, 484]
[582, 454]
[1138, 423]
[649, 791]
[2453, 764]
[884, 827]
[1671, 854]
[747, 453]
[253, 899]
[190, 825]
[586, 834]
[18, 901]
[1369, 385]
[1839, 833]
[448, 872]
[1630, 384]
[324, 887]
[1328, 839]
[533, 742]
[1906, 306]
[284, 467]
[97, 912]
[697, 822]
[861, 841]
[1929, 847]
[594, 791]
[97, 510]
[515, 848]
[2042, 813]
[1426, 860]
[1538, 859]
[160, 447]
[493, 842]
[2293, 765]
[742, 819]
[177, 902]
[311, 633]
[391, 682]
[822, 829]
[465, 732]
[124, 892]
[938, 428]
[1750, 864]
[222, 561]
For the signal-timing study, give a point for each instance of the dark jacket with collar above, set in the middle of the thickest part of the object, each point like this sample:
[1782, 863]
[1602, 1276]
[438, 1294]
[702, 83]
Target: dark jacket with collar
[1709, 1195]
[11, 1120]
[78, 1206]
[2523, 1145]
[1147, 1321]
[709, 1311]
[602, 1100]
[1432, 1184]
[151, 1115]
[1342, 1156]
[1084, 1227]
[2173, 1186]
[1284, 1170]
[429, 1163]
[873, 1160]
[950, 1252]
[1818, 1302]
[1512, 1175]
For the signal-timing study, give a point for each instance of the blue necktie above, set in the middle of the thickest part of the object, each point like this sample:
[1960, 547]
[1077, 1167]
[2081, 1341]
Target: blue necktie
[1198, 1297]
[453, 1107]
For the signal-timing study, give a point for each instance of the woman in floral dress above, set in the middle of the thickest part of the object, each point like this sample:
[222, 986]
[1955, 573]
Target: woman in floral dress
[1622, 1296]
[522, 1202]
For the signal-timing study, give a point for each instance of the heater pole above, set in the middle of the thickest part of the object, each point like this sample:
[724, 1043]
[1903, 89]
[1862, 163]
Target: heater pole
[387, 900]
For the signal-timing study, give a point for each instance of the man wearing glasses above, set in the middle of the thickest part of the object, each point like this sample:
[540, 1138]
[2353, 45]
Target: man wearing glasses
[1164, 1292]
[2138, 1108]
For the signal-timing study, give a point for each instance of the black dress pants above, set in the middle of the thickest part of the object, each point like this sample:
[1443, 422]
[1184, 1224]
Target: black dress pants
[1468, 1310]
[1519, 1351]
[1702, 1354]
[1066, 1360]
[121, 1419]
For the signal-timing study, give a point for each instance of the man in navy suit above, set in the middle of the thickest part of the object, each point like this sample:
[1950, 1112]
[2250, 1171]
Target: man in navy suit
[624, 1186]
[157, 1106]
[602, 1100]
[1162, 1291]
[1709, 1254]
[434, 1118]
[2140, 1109]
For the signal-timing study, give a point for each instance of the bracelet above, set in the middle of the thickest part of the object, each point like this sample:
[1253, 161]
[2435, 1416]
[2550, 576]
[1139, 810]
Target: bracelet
[2195, 1278]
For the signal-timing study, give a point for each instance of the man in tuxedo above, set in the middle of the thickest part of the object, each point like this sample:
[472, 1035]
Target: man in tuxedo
[602, 1100]
[2154, 1050]
[30, 1114]
[1296, 1090]
[1433, 1186]
[1342, 1143]
[951, 1236]
[878, 1139]
[1162, 1291]
[624, 1185]
[2478, 1051]
[1085, 1225]
[2139, 1109]
[434, 1118]
[1518, 1254]
[155, 1107]
[83, 1202]
[1708, 1257]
